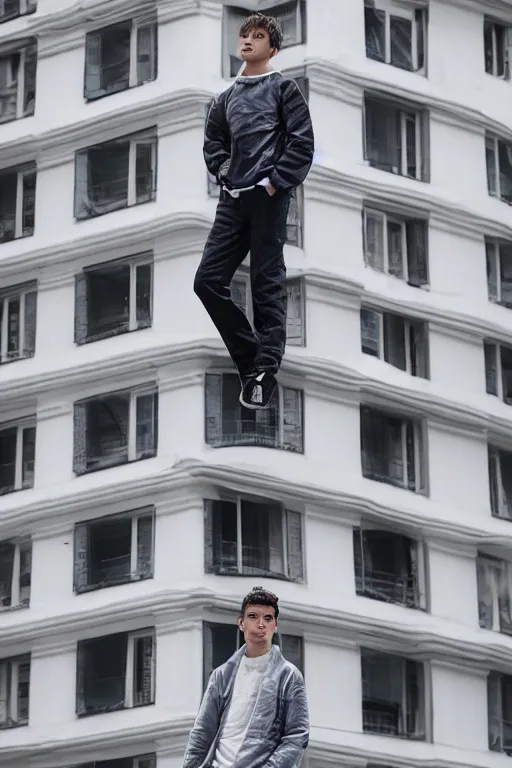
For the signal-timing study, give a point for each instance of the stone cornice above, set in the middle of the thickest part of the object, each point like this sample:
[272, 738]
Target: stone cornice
[317, 377]
[411, 633]
[360, 754]
[170, 733]
[337, 81]
[170, 112]
[181, 231]
[336, 187]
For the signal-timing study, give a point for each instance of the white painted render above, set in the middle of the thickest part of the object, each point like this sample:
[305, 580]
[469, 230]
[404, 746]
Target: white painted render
[326, 481]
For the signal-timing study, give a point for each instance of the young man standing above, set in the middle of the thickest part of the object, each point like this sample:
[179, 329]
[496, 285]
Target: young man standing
[254, 712]
[259, 145]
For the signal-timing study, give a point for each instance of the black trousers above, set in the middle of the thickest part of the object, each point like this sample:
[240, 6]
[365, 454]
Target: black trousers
[254, 222]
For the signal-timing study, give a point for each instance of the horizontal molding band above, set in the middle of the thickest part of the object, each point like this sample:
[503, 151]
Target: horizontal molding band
[323, 626]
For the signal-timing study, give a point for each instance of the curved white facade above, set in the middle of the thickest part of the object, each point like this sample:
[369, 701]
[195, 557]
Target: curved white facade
[444, 418]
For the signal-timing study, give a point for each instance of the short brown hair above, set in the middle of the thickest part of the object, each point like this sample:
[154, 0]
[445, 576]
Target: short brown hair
[269, 24]
[260, 596]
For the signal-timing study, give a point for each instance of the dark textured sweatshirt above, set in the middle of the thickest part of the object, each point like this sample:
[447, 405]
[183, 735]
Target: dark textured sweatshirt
[260, 127]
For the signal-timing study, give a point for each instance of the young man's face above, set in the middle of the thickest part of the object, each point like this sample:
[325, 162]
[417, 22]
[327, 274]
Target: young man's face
[254, 46]
[258, 625]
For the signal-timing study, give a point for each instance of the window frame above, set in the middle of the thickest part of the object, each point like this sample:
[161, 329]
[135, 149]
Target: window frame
[26, 348]
[83, 529]
[494, 24]
[385, 219]
[420, 601]
[492, 145]
[25, 8]
[423, 683]
[20, 425]
[496, 681]
[411, 326]
[82, 297]
[22, 172]
[129, 673]
[287, 515]
[9, 686]
[137, 22]
[23, 49]
[404, 11]
[146, 136]
[279, 443]
[15, 597]
[496, 349]
[420, 449]
[494, 256]
[501, 507]
[131, 452]
[421, 136]
[495, 575]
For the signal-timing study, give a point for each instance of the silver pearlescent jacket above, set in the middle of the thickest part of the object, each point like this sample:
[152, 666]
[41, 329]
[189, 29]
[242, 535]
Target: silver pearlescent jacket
[278, 732]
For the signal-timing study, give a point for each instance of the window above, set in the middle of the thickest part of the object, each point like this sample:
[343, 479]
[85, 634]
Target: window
[393, 695]
[14, 691]
[141, 761]
[499, 272]
[113, 298]
[498, 157]
[115, 672]
[494, 593]
[397, 340]
[253, 538]
[17, 202]
[221, 641]
[499, 707]
[15, 573]
[295, 309]
[396, 245]
[10, 9]
[120, 56]
[17, 457]
[228, 423]
[294, 222]
[497, 42]
[396, 35]
[389, 567]
[395, 138]
[498, 371]
[18, 66]
[114, 550]
[18, 307]
[392, 449]
[114, 429]
[115, 174]
[500, 482]
[291, 16]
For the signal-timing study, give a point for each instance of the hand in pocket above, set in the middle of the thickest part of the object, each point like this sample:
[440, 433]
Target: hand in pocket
[270, 190]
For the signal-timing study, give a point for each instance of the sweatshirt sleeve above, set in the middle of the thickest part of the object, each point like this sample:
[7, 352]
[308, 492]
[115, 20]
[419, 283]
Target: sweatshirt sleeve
[293, 166]
[217, 139]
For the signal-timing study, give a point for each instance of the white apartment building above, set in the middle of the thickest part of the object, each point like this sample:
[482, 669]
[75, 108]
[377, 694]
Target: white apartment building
[138, 503]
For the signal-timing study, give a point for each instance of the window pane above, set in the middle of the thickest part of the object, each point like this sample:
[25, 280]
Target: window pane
[401, 42]
[29, 448]
[505, 165]
[262, 539]
[6, 564]
[383, 136]
[375, 33]
[110, 549]
[107, 431]
[104, 672]
[144, 172]
[108, 176]
[490, 159]
[108, 300]
[225, 537]
[13, 327]
[506, 274]
[506, 368]
[7, 459]
[395, 249]
[394, 341]
[8, 186]
[143, 295]
[9, 69]
[115, 57]
[488, 27]
[29, 202]
[410, 127]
